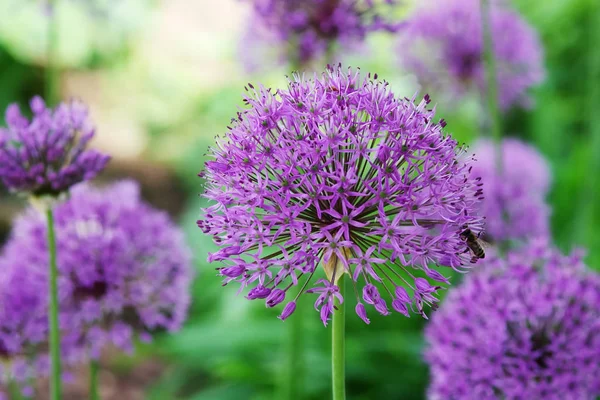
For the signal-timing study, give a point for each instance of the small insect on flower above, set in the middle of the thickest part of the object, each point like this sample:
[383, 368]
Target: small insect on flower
[335, 176]
[474, 243]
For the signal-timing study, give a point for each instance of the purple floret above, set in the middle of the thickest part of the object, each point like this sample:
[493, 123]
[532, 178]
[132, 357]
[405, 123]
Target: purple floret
[514, 206]
[524, 327]
[442, 44]
[306, 29]
[48, 155]
[336, 171]
[124, 272]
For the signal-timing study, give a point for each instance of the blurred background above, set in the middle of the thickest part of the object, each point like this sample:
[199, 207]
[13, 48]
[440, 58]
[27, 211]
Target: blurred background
[163, 78]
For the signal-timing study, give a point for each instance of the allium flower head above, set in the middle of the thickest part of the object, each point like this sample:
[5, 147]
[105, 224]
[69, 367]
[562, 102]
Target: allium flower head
[443, 45]
[527, 327]
[514, 205]
[307, 29]
[48, 155]
[124, 271]
[21, 297]
[335, 171]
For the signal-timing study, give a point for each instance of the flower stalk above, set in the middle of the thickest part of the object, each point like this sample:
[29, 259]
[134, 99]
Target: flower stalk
[94, 368]
[592, 187]
[338, 345]
[14, 390]
[52, 72]
[492, 82]
[55, 373]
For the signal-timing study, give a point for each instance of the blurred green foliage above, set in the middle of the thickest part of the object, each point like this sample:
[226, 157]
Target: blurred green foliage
[235, 349]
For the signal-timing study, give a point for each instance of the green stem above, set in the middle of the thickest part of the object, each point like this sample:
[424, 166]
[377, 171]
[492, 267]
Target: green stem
[15, 390]
[52, 78]
[338, 347]
[55, 373]
[492, 82]
[94, 367]
[591, 189]
[294, 372]
[493, 109]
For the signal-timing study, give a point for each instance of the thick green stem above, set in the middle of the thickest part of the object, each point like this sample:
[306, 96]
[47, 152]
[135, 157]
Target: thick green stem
[493, 111]
[94, 367]
[294, 371]
[52, 78]
[338, 347]
[55, 373]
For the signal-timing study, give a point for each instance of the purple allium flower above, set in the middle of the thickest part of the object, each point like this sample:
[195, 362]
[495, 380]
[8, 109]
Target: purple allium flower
[443, 45]
[47, 155]
[124, 270]
[336, 171]
[514, 205]
[21, 292]
[306, 29]
[527, 327]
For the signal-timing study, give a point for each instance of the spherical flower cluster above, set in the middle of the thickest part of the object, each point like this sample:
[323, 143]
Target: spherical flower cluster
[443, 45]
[48, 155]
[308, 29]
[337, 171]
[524, 327]
[23, 325]
[124, 271]
[514, 205]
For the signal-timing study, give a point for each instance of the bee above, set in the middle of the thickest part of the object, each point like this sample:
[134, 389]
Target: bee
[475, 245]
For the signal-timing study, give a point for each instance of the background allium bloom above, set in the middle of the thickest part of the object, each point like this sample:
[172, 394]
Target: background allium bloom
[442, 44]
[124, 270]
[514, 204]
[48, 155]
[21, 298]
[523, 328]
[336, 171]
[307, 29]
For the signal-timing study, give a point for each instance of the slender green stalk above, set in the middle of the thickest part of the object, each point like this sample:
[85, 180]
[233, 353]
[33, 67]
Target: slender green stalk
[591, 190]
[55, 373]
[338, 348]
[493, 111]
[94, 367]
[15, 390]
[52, 78]
[294, 371]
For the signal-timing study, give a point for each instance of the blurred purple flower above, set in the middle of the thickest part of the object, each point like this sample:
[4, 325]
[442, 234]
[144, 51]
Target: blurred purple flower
[124, 270]
[337, 171]
[527, 327]
[304, 30]
[443, 45]
[47, 155]
[514, 204]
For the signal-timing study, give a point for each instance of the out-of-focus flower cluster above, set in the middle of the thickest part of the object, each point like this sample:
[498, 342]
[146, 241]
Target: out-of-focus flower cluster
[442, 44]
[337, 171]
[48, 155]
[515, 207]
[523, 327]
[124, 271]
[305, 30]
